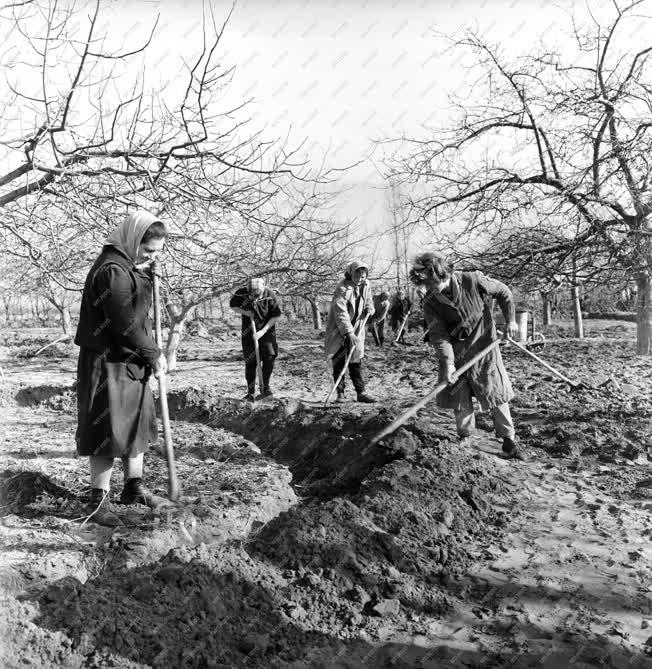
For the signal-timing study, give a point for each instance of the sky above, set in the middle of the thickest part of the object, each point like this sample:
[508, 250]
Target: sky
[336, 75]
[341, 74]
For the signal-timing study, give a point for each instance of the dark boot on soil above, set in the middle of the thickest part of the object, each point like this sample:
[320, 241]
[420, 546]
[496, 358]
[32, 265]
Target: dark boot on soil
[340, 396]
[266, 394]
[249, 397]
[363, 397]
[136, 492]
[101, 510]
[465, 439]
[511, 448]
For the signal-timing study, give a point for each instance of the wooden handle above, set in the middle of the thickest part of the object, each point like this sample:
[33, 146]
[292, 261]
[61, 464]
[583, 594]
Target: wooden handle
[574, 384]
[400, 330]
[357, 331]
[403, 418]
[173, 482]
[259, 369]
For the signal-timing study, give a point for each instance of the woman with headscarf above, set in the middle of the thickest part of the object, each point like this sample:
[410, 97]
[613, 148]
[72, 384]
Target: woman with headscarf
[115, 406]
[351, 303]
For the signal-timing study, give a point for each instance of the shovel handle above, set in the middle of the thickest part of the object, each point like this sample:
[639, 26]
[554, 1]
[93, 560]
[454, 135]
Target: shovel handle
[173, 482]
[400, 330]
[573, 384]
[403, 418]
[259, 370]
[359, 328]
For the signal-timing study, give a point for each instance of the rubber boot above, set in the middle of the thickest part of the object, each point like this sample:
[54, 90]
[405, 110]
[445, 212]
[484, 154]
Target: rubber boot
[101, 510]
[136, 492]
[251, 393]
[511, 448]
[363, 397]
[266, 394]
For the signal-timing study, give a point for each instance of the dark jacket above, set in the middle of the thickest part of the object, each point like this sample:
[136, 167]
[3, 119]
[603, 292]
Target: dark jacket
[114, 314]
[116, 416]
[264, 308]
[463, 324]
[399, 310]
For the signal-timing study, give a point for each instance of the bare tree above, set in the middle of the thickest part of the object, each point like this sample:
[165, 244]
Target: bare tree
[76, 112]
[559, 148]
[86, 140]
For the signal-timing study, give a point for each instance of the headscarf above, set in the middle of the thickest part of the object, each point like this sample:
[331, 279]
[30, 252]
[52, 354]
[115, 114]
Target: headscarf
[354, 266]
[129, 234]
[256, 284]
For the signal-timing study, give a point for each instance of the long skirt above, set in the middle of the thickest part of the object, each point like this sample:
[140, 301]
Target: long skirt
[116, 416]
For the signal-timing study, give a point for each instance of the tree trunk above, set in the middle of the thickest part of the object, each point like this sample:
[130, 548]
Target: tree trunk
[66, 321]
[178, 318]
[547, 309]
[644, 314]
[316, 314]
[577, 311]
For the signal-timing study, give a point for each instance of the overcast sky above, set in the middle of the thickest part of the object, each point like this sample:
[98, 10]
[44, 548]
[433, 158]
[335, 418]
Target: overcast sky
[343, 73]
[339, 74]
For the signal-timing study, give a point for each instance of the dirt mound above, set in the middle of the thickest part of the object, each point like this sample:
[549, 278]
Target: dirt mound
[414, 523]
[54, 351]
[59, 398]
[177, 615]
[19, 489]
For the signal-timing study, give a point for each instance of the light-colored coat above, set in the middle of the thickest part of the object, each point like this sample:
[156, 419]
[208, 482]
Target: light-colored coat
[342, 320]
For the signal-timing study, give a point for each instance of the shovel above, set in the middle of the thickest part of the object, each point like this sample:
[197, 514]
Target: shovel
[575, 385]
[259, 369]
[173, 483]
[359, 328]
[400, 330]
[403, 418]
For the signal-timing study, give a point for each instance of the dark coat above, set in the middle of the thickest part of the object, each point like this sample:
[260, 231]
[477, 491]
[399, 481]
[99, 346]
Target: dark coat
[398, 310]
[115, 407]
[462, 325]
[264, 308]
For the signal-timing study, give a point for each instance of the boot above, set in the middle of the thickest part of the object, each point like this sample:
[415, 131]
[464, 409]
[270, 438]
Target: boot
[340, 396]
[466, 439]
[251, 394]
[511, 448]
[363, 397]
[136, 492]
[266, 394]
[101, 509]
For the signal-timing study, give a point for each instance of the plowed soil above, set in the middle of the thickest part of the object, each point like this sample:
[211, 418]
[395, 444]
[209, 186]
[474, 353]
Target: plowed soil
[296, 544]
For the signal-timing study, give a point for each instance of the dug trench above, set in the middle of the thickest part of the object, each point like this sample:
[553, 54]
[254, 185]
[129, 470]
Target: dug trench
[420, 553]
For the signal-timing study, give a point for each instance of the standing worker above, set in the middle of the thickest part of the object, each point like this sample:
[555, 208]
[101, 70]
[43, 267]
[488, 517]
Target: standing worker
[351, 304]
[400, 308]
[379, 318]
[115, 406]
[259, 303]
[458, 311]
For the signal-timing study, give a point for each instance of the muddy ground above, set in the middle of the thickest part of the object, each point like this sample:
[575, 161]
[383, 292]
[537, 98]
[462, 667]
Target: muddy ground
[296, 545]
